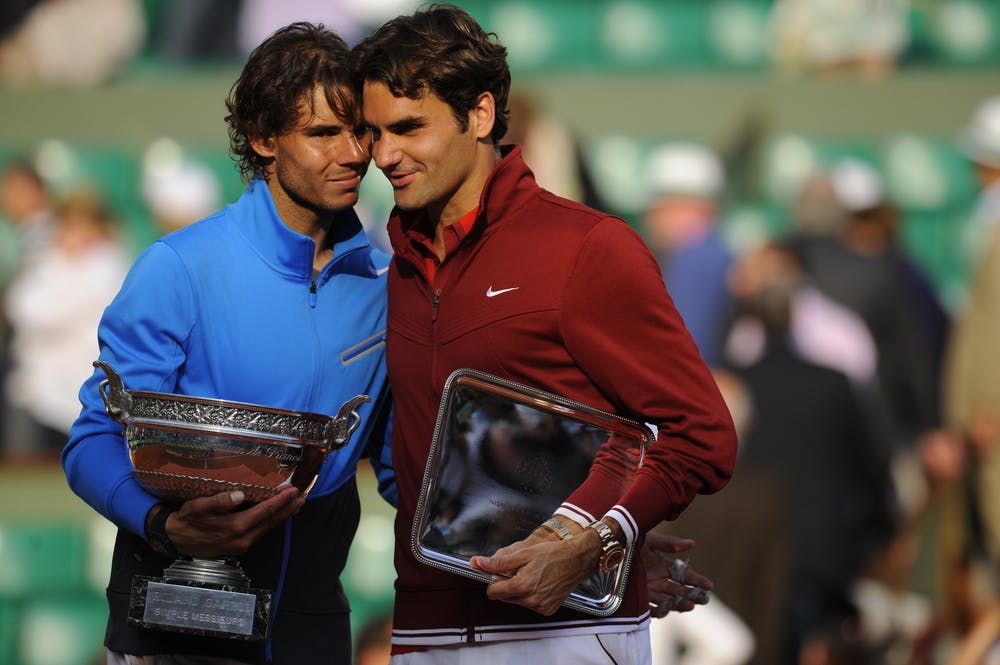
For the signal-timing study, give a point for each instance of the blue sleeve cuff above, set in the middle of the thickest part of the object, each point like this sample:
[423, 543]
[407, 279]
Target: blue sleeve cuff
[129, 505]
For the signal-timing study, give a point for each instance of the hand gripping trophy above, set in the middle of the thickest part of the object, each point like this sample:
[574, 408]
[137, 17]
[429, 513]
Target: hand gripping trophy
[184, 447]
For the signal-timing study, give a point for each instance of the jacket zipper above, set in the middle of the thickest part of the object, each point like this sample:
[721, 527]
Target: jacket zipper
[313, 303]
[435, 302]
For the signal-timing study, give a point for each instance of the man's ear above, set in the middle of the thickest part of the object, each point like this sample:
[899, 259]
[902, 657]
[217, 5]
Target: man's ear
[263, 147]
[483, 115]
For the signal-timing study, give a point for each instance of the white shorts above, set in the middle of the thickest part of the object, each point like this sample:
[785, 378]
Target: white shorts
[606, 649]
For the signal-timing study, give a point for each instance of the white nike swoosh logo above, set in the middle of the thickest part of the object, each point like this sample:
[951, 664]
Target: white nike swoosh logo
[490, 293]
[382, 271]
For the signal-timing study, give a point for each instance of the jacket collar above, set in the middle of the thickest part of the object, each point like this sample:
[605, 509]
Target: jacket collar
[290, 252]
[509, 186]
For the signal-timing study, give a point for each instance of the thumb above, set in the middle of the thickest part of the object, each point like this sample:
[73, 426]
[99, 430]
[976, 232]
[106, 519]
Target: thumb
[224, 502]
[498, 564]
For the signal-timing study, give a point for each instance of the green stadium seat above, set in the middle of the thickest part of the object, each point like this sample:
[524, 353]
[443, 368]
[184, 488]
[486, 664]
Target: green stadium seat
[936, 239]
[101, 535]
[788, 158]
[748, 224]
[965, 32]
[920, 49]
[739, 33]
[8, 631]
[541, 36]
[369, 574]
[618, 165]
[651, 34]
[41, 557]
[925, 174]
[62, 629]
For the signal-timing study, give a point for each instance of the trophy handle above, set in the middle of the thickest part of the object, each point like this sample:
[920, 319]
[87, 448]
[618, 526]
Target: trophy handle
[346, 421]
[117, 401]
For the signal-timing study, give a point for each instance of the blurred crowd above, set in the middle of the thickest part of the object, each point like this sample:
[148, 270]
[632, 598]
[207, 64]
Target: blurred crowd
[81, 43]
[862, 525]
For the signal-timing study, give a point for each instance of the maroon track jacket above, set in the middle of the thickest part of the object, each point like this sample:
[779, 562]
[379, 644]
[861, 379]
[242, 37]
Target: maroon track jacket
[551, 294]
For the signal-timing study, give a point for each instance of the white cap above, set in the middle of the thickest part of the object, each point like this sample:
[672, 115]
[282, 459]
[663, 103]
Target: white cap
[685, 169]
[857, 184]
[980, 139]
[182, 193]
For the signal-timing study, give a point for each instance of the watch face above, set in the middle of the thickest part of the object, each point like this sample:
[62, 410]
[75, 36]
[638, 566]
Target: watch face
[612, 559]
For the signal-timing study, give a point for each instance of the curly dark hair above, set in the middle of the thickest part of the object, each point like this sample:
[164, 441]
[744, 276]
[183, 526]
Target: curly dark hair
[279, 76]
[439, 49]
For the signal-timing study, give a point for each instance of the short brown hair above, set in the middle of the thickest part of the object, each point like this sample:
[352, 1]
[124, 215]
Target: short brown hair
[439, 49]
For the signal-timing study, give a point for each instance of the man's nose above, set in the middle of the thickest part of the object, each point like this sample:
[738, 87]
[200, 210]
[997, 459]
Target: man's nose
[385, 152]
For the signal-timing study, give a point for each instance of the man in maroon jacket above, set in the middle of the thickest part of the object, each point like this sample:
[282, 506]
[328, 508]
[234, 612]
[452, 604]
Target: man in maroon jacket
[493, 273]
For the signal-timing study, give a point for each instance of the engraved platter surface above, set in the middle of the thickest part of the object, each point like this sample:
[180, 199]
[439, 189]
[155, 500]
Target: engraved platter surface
[503, 458]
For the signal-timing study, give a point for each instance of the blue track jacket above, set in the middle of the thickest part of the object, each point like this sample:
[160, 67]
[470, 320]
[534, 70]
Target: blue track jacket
[227, 308]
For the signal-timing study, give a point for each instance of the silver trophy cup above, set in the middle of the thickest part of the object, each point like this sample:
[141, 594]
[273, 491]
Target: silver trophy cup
[184, 447]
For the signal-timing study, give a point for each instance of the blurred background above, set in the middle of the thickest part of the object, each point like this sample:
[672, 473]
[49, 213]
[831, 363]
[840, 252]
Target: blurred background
[804, 170]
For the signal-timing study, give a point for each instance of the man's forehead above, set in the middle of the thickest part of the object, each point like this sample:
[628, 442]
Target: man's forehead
[314, 107]
[402, 103]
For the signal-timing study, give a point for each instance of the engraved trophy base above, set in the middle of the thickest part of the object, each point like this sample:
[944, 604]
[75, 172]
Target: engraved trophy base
[207, 597]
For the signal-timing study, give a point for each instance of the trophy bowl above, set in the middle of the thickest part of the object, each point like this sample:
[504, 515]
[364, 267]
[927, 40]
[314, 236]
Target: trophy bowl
[184, 447]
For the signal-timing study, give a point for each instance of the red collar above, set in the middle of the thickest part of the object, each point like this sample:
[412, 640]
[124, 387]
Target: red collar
[461, 228]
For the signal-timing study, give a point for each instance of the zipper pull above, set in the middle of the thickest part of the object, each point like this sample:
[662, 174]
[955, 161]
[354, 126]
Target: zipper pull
[434, 305]
[312, 293]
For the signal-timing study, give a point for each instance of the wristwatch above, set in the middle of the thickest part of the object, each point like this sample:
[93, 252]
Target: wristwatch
[156, 532]
[613, 552]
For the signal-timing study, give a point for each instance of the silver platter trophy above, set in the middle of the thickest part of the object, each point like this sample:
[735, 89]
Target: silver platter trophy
[503, 458]
[183, 447]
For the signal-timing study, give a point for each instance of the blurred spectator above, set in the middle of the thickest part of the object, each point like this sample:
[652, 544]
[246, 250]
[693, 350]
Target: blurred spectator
[54, 305]
[72, 43]
[808, 434]
[710, 635]
[972, 384]
[179, 192]
[833, 36]
[551, 150]
[752, 580]
[871, 285]
[979, 142]
[821, 330]
[25, 201]
[681, 223]
[893, 618]
[27, 215]
[872, 229]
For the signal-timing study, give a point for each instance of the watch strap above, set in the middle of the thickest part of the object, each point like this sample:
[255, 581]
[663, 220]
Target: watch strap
[156, 532]
[612, 550]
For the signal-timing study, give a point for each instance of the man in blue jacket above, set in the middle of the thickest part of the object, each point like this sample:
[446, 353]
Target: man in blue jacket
[277, 299]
